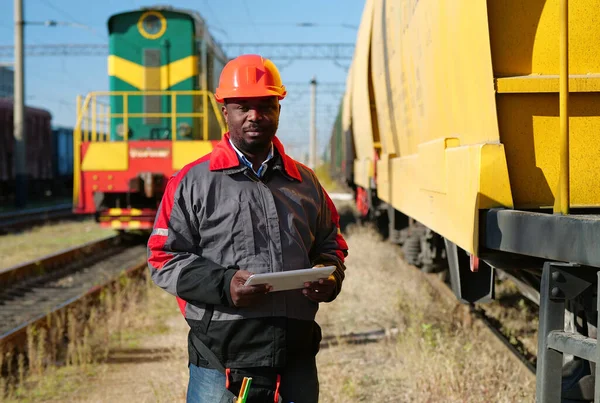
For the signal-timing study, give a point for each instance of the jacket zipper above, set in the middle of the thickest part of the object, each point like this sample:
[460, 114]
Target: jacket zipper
[268, 224]
[261, 185]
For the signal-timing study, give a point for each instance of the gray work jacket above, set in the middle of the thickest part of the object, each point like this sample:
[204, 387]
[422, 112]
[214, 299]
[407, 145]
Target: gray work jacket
[216, 217]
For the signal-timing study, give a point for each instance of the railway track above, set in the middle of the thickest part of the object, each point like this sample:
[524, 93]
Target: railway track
[518, 351]
[17, 220]
[31, 292]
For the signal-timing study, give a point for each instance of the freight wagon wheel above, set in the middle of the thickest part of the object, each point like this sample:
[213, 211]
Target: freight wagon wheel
[433, 252]
[383, 223]
[412, 250]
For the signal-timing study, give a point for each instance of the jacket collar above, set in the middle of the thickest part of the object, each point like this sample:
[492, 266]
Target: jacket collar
[224, 156]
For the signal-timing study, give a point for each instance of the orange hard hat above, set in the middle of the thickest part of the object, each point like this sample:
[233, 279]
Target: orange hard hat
[249, 76]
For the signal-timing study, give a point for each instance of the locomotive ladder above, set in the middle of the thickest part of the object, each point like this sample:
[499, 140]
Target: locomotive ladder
[561, 282]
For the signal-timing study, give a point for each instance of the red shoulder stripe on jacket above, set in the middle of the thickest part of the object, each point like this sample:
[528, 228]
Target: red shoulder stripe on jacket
[182, 304]
[223, 156]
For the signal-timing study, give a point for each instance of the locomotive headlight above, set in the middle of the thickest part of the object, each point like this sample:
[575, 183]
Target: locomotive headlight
[184, 129]
[152, 25]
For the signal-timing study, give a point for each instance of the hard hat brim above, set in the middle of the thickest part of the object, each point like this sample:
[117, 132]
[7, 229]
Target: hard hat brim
[279, 92]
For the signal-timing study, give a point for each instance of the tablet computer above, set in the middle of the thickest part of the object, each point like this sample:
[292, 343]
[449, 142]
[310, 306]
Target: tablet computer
[290, 280]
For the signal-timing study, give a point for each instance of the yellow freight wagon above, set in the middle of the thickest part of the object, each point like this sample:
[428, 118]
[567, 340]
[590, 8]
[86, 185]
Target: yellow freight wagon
[476, 127]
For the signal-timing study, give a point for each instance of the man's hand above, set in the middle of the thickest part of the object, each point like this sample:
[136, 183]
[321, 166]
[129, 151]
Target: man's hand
[242, 295]
[320, 291]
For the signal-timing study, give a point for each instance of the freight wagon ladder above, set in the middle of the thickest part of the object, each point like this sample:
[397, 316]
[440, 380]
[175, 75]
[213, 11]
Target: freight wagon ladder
[561, 282]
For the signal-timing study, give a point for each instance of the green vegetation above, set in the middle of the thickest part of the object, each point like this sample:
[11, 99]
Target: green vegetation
[328, 183]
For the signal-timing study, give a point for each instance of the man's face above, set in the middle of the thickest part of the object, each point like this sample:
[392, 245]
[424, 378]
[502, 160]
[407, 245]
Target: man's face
[252, 122]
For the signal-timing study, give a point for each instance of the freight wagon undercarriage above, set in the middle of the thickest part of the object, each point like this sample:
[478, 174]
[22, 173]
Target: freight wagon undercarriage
[554, 260]
[567, 245]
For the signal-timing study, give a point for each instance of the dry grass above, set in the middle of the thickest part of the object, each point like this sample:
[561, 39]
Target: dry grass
[41, 241]
[151, 365]
[433, 358]
[518, 315]
[61, 361]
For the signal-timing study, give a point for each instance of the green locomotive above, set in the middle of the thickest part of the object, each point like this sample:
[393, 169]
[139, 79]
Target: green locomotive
[157, 51]
[158, 115]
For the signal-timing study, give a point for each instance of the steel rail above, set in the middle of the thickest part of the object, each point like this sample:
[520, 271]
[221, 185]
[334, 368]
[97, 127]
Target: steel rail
[503, 342]
[21, 219]
[47, 264]
[16, 337]
[88, 269]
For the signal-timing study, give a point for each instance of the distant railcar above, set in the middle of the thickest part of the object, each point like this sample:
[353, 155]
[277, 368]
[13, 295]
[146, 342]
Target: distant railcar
[341, 145]
[341, 150]
[62, 142]
[336, 153]
[158, 116]
[39, 153]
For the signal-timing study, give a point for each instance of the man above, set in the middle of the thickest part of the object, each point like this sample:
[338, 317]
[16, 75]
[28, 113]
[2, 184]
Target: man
[247, 208]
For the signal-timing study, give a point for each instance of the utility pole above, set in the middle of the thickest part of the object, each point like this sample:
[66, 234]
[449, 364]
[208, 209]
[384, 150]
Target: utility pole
[20, 155]
[313, 124]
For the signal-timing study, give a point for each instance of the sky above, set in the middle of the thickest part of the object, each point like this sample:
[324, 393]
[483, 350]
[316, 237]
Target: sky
[53, 82]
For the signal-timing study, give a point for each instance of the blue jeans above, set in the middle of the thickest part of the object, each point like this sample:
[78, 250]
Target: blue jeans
[299, 384]
[207, 386]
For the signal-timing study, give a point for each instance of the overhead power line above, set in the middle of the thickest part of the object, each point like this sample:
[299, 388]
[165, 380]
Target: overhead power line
[329, 87]
[68, 49]
[275, 51]
[323, 51]
[71, 19]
